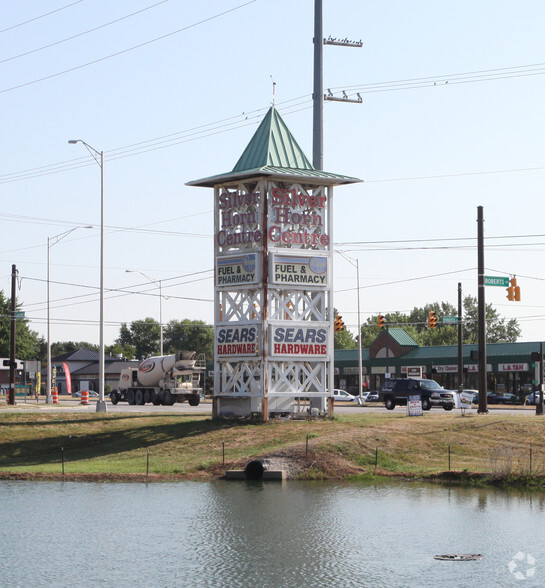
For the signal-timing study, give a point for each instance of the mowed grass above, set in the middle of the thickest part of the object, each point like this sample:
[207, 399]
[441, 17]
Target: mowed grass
[189, 446]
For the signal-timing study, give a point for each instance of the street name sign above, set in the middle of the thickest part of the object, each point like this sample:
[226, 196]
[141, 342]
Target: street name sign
[450, 320]
[496, 281]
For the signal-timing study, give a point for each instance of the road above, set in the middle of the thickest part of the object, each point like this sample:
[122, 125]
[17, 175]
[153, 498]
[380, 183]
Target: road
[73, 405]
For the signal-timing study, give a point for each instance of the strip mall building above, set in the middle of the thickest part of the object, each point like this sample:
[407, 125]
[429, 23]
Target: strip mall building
[509, 365]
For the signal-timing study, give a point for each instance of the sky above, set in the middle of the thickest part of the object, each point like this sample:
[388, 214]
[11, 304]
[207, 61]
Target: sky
[171, 91]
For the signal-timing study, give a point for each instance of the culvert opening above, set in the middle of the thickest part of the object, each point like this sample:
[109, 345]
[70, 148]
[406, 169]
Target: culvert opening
[254, 470]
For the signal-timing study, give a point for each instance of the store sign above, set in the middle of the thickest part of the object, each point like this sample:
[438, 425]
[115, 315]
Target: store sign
[297, 218]
[237, 270]
[237, 341]
[412, 371]
[297, 342]
[300, 270]
[446, 369]
[354, 371]
[512, 367]
[239, 219]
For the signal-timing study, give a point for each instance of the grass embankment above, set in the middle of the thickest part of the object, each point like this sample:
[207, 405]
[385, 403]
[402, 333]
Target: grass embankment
[482, 448]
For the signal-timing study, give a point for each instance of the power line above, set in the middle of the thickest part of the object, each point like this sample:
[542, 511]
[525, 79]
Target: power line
[123, 51]
[82, 33]
[39, 17]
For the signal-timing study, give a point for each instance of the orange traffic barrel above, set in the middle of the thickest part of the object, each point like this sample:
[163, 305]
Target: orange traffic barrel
[55, 395]
[84, 397]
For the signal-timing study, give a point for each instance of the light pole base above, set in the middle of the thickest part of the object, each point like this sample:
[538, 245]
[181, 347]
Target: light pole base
[101, 406]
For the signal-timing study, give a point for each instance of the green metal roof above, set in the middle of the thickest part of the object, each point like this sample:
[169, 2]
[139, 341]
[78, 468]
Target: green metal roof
[401, 337]
[273, 151]
[273, 145]
[437, 354]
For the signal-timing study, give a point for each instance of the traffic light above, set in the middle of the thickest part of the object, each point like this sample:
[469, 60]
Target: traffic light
[381, 325]
[513, 291]
[339, 325]
[432, 320]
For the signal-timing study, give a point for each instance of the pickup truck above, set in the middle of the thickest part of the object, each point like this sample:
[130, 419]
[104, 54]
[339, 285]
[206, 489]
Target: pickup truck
[396, 391]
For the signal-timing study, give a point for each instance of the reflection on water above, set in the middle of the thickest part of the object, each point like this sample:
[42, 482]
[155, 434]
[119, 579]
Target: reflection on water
[265, 534]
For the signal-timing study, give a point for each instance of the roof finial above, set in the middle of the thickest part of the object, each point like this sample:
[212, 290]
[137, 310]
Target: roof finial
[274, 89]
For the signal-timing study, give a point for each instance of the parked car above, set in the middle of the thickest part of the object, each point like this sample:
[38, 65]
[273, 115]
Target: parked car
[506, 398]
[343, 396]
[396, 391]
[533, 397]
[372, 396]
[78, 394]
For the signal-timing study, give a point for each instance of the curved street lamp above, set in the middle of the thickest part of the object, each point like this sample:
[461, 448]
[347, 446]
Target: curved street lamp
[158, 282]
[98, 156]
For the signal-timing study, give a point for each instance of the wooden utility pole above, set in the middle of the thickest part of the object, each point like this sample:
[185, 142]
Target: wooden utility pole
[483, 407]
[460, 341]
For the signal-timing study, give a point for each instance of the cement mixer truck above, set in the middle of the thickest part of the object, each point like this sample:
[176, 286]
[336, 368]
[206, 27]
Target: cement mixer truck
[165, 379]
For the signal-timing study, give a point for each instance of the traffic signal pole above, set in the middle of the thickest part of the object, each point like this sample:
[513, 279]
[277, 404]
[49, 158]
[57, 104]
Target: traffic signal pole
[460, 341]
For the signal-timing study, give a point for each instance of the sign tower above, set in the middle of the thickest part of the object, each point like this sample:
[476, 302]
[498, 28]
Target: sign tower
[273, 300]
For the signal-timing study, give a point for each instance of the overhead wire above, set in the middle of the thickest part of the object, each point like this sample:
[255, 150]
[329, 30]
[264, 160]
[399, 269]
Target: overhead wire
[40, 16]
[71, 38]
[127, 50]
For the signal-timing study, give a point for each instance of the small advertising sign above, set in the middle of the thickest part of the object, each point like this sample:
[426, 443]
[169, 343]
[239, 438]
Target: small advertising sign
[292, 270]
[414, 406]
[464, 400]
[236, 270]
[297, 342]
[237, 341]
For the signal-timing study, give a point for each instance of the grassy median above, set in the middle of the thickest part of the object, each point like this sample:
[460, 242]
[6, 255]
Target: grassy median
[475, 448]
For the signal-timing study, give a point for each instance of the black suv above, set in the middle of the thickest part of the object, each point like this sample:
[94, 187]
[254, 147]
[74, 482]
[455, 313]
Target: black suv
[396, 391]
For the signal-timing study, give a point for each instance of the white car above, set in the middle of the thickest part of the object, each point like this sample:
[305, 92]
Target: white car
[343, 396]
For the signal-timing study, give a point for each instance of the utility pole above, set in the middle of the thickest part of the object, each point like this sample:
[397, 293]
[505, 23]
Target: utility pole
[11, 398]
[318, 94]
[460, 341]
[538, 397]
[481, 313]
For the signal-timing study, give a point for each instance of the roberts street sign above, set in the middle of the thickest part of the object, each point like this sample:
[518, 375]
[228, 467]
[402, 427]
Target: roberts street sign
[496, 281]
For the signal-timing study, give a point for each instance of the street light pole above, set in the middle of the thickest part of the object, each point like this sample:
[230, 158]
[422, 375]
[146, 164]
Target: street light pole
[98, 156]
[50, 244]
[356, 263]
[159, 283]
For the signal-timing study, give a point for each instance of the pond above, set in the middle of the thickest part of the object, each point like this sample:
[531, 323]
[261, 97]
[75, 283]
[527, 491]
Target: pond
[292, 534]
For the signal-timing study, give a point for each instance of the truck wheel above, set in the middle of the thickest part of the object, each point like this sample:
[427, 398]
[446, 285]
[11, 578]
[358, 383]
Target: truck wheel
[167, 398]
[147, 396]
[389, 404]
[448, 406]
[130, 396]
[426, 404]
[114, 397]
[155, 399]
[194, 400]
[139, 397]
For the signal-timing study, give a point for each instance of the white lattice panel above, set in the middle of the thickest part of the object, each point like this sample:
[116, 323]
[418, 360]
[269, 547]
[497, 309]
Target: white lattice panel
[297, 305]
[297, 377]
[240, 305]
[239, 378]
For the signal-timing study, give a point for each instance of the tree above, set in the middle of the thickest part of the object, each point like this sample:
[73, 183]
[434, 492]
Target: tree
[127, 351]
[143, 336]
[62, 347]
[27, 342]
[498, 330]
[345, 340]
[415, 324]
[188, 335]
